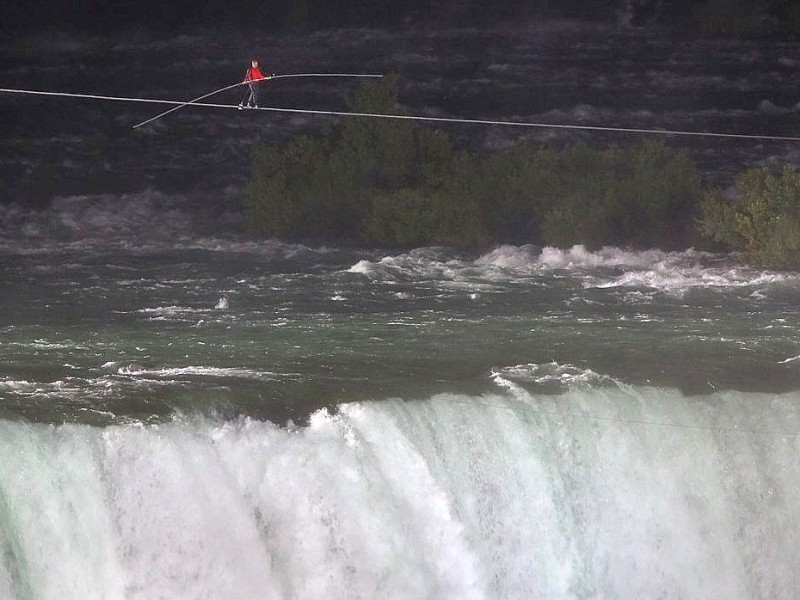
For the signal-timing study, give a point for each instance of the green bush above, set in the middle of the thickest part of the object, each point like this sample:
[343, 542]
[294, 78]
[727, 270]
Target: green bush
[272, 212]
[515, 189]
[326, 186]
[577, 211]
[394, 183]
[653, 197]
[638, 196]
[764, 222]
[410, 217]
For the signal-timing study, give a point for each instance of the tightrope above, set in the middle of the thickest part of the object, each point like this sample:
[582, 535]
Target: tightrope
[454, 120]
[257, 81]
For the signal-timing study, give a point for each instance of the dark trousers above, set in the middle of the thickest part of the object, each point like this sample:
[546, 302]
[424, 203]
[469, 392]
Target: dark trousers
[251, 97]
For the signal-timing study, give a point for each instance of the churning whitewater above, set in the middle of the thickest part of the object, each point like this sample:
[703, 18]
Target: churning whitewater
[619, 492]
[188, 418]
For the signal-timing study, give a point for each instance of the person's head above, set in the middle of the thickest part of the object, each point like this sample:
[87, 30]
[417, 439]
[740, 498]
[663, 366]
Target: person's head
[254, 63]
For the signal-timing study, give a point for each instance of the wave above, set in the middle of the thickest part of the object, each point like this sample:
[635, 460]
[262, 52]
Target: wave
[170, 373]
[565, 376]
[613, 493]
[579, 256]
[674, 273]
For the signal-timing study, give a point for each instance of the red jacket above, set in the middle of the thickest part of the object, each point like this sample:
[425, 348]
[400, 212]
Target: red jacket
[253, 73]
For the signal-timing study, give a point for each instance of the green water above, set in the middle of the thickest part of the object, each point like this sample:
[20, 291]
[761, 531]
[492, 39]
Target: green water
[277, 331]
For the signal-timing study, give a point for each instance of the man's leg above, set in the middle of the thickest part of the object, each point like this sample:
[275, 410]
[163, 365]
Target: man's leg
[253, 94]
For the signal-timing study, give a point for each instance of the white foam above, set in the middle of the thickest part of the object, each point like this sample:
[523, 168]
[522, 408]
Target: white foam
[197, 371]
[511, 257]
[614, 493]
[364, 267]
[607, 268]
[577, 257]
[564, 374]
[170, 310]
[671, 272]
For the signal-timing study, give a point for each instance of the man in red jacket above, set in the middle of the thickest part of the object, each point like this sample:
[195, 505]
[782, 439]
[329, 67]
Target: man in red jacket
[253, 75]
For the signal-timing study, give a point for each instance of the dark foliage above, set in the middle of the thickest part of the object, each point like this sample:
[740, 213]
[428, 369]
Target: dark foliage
[763, 222]
[392, 183]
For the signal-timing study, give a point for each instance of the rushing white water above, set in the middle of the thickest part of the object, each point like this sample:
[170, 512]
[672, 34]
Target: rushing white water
[615, 492]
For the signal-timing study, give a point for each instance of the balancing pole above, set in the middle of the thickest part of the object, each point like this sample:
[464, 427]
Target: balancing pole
[228, 87]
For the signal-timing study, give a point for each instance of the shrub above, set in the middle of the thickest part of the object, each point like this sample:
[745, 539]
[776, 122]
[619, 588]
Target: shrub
[324, 186]
[639, 196]
[265, 200]
[654, 196]
[410, 217]
[764, 222]
[394, 183]
[515, 188]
